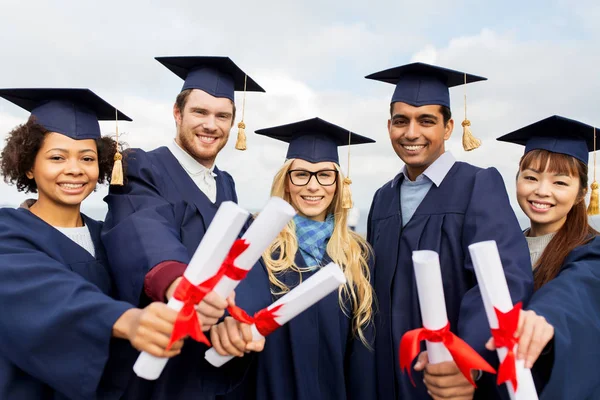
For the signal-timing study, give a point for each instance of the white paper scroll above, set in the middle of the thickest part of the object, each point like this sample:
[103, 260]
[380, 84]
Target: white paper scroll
[302, 297]
[210, 254]
[431, 300]
[495, 293]
[271, 220]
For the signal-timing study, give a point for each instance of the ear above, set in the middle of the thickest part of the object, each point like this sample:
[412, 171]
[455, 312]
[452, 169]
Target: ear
[29, 174]
[177, 114]
[389, 126]
[448, 129]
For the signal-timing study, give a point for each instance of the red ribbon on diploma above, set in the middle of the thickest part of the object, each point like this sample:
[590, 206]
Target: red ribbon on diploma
[464, 356]
[264, 319]
[187, 322]
[504, 336]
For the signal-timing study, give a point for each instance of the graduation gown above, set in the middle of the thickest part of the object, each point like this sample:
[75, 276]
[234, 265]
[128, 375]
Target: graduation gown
[57, 316]
[470, 205]
[571, 304]
[315, 356]
[161, 215]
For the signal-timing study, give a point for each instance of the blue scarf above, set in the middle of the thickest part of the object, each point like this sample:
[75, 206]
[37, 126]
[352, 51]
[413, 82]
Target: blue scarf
[312, 238]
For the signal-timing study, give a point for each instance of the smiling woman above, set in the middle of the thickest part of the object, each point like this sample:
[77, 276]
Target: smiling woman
[58, 332]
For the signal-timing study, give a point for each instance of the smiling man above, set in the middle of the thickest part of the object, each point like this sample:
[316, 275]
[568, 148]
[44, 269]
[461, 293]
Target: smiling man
[436, 203]
[156, 221]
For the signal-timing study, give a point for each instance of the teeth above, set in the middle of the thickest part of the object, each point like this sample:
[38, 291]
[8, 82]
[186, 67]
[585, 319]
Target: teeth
[414, 147]
[71, 185]
[540, 205]
[312, 198]
[208, 139]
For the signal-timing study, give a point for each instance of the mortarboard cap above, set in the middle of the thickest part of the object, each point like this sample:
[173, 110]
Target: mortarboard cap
[420, 84]
[217, 76]
[72, 112]
[556, 134]
[314, 140]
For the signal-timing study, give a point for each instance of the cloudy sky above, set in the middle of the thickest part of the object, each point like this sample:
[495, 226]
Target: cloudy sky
[541, 58]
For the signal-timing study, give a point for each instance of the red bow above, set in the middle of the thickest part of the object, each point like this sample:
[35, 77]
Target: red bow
[264, 319]
[464, 356]
[187, 322]
[504, 336]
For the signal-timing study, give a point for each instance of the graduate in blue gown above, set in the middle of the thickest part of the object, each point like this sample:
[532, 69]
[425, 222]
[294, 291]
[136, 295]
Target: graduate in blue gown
[560, 327]
[162, 212]
[58, 320]
[325, 352]
[436, 203]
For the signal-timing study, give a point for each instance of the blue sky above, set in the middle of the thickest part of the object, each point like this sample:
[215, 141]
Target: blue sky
[541, 58]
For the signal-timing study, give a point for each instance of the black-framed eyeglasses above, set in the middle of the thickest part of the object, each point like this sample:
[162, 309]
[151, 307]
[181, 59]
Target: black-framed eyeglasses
[324, 177]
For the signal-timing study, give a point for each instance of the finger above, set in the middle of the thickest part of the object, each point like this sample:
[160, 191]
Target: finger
[522, 317]
[445, 381]
[164, 312]
[422, 361]
[256, 346]
[154, 350]
[231, 299]
[216, 340]
[207, 310]
[215, 300]
[226, 342]
[539, 341]
[207, 323]
[443, 369]
[491, 344]
[152, 320]
[525, 338]
[234, 334]
[246, 332]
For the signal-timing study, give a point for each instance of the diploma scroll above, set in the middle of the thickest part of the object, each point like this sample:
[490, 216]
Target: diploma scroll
[261, 233]
[302, 297]
[495, 294]
[206, 261]
[431, 300]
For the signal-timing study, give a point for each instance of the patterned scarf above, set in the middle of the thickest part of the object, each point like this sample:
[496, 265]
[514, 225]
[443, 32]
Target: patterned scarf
[312, 238]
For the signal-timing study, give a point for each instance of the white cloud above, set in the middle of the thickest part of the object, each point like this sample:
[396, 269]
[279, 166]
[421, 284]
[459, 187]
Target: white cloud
[311, 58]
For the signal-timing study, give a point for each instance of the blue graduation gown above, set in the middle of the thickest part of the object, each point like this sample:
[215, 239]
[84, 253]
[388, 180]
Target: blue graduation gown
[57, 316]
[470, 205]
[161, 215]
[571, 303]
[314, 356]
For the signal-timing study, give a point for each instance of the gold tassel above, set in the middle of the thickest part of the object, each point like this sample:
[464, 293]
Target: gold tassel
[240, 144]
[117, 172]
[469, 141]
[593, 208]
[347, 194]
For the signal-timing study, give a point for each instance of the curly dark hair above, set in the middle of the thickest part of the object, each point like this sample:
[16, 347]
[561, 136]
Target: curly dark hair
[23, 144]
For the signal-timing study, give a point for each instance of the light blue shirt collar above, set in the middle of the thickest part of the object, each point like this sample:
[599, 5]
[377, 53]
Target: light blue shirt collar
[436, 172]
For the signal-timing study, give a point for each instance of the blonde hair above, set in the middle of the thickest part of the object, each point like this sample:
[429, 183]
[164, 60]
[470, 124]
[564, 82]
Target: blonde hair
[346, 248]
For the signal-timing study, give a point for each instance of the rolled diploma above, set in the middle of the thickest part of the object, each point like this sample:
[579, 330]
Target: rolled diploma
[261, 233]
[206, 261]
[495, 293]
[302, 297]
[431, 300]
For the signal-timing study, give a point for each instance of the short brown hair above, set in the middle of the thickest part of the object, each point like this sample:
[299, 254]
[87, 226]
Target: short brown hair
[181, 101]
[25, 141]
[445, 111]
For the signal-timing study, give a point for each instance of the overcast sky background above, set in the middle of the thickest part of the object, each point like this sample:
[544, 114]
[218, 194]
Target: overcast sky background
[541, 58]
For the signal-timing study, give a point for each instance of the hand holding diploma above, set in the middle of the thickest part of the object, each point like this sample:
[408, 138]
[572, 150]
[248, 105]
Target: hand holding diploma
[448, 351]
[506, 321]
